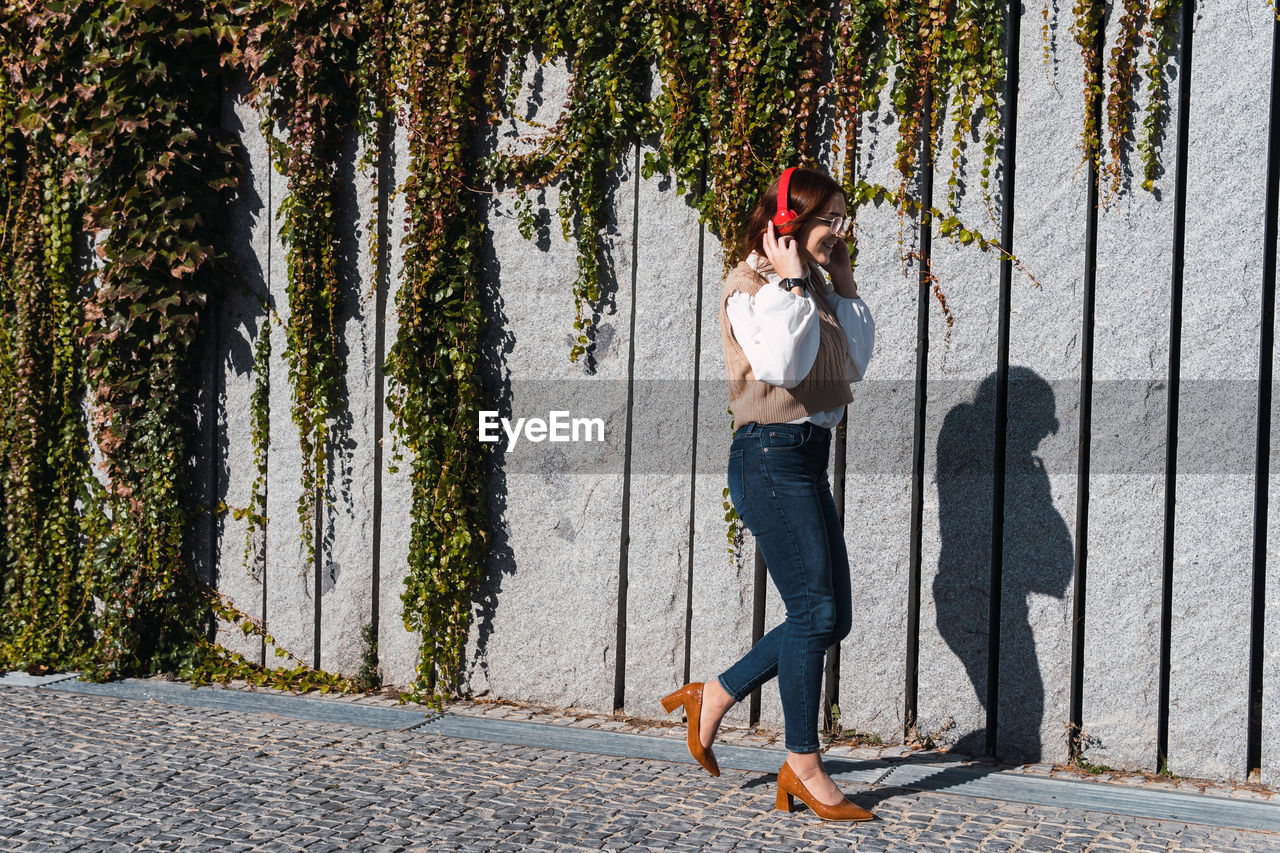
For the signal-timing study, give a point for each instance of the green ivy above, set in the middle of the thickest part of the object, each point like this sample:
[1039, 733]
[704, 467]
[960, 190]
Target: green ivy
[604, 113]
[46, 612]
[443, 56]
[1160, 46]
[111, 137]
[123, 91]
[302, 56]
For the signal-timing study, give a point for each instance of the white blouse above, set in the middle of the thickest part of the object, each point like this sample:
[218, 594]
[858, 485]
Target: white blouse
[778, 332]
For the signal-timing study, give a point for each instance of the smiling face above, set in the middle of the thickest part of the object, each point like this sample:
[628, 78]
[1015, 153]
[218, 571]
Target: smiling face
[815, 238]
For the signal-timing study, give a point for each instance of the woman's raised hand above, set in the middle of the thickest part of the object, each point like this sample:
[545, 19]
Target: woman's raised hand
[783, 254]
[839, 268]
[839, 261]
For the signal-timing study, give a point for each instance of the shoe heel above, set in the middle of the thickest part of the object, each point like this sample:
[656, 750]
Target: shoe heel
[673, 701]
[783, 803]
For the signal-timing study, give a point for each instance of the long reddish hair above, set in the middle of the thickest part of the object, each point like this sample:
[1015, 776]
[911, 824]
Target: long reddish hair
[809, 192]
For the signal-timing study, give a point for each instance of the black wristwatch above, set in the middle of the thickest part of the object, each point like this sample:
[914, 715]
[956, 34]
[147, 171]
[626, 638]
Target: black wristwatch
[788, 283]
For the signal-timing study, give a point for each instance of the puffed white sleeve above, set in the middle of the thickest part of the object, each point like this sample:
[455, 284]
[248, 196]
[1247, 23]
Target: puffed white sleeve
[778, 332]
[859, 333]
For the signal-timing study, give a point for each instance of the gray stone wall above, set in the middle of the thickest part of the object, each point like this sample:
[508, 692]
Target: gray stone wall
[878, 459]
[1049, 215]
[665, 305]
[723, 583]
[609, 581]
[1120, 689]
[1271, 629]
[1222, 299]
[239, 562]
[397, 645]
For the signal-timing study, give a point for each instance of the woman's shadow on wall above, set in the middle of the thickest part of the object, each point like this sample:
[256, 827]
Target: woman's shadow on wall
[1038, 552]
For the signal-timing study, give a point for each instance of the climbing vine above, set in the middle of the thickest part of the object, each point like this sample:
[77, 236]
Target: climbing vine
[1160, 46]
[1122, 65]
[110, 115]
[302, 57]
[122, 92]
[112, 140]
[604, 111]
[1120, 81]
[254, 513]
[433, 367]
[45, 607]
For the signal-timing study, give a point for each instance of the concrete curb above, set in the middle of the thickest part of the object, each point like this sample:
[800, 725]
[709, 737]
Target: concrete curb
[218, 698]
[18, 678]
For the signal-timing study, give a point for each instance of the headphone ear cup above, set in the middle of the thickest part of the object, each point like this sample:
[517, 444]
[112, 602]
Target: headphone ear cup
[785, 221]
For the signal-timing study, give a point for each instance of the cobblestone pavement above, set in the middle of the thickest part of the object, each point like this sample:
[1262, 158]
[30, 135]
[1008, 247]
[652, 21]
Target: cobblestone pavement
[87, 773]
[892, 752]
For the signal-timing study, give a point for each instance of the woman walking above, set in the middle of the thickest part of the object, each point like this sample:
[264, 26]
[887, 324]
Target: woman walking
[793, 342]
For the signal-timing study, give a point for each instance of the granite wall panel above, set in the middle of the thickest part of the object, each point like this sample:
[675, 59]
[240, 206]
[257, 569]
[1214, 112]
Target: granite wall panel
[346, 560]
[1124, 568]
[959, 429]
[1270, 752]
[290, 565]
[723, 582]
[545, 629]
[1217, 408]
[878, 457]
[1050, 219]
[397, 645]
[238, 569]
[1270, 746]
[661, 450]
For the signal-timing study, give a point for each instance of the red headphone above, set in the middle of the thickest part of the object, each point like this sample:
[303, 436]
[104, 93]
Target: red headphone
[785, 214]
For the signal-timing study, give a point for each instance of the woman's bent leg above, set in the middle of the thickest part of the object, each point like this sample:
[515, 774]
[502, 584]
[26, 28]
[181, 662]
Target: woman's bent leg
[782, 487]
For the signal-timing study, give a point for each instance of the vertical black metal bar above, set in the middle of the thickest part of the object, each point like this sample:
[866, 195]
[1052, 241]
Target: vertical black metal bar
[1175, 375]
[317, 567]
[693, 463]
[1253, 741]
[382, 286]
[620, 659]
[759, 589]
[1013, 20]
[265, 329]
[1075, 712]
[914, 553]
[832, 673]
[214, 384]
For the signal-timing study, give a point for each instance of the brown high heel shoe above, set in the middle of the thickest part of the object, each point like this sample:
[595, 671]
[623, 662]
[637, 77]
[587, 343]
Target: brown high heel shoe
[690, 696]
[789, 785]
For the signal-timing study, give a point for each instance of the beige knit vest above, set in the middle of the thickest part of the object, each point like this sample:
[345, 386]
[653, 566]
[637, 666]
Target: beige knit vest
[825, 387]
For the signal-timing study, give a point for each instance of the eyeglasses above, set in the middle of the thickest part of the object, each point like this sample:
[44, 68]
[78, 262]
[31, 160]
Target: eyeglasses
[839, 225]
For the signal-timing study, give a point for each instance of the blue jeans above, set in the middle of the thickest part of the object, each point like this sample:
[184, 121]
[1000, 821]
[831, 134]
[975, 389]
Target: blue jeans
[778, 484]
